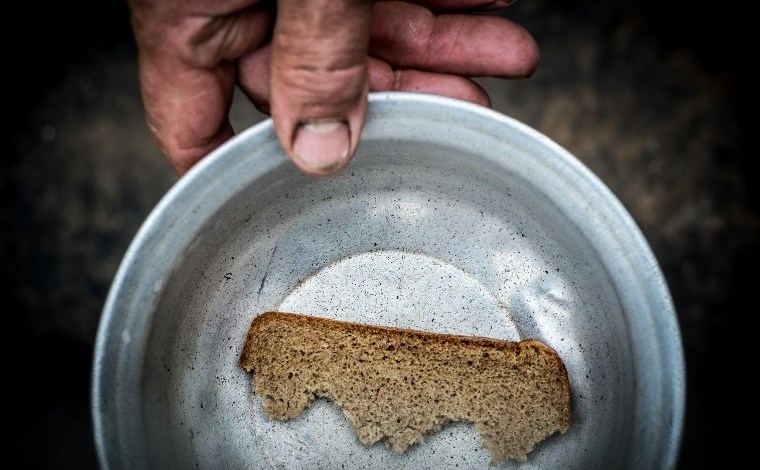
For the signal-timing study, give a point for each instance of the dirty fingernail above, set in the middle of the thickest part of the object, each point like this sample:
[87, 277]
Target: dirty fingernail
[322, 145]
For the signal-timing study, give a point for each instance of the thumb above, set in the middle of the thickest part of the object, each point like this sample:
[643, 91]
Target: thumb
[319, 80]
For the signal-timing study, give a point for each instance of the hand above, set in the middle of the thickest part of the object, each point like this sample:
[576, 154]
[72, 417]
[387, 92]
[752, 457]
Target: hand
[310, 64]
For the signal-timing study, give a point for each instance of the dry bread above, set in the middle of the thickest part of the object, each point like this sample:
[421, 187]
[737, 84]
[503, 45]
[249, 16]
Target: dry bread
[400, 384]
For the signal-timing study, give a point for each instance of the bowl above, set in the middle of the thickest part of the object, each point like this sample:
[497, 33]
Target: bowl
[451, 218]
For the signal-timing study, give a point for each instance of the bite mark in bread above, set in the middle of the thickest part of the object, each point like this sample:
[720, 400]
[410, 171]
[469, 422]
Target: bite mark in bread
[400, 384]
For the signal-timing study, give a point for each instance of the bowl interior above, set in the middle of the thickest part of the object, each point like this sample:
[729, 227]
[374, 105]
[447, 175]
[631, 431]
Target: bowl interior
[451, 218]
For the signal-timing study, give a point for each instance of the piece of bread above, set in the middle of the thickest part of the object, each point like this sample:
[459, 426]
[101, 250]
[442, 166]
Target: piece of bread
[400, 384]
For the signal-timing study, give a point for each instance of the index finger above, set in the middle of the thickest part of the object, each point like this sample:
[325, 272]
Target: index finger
[411, 36]
[187, 73]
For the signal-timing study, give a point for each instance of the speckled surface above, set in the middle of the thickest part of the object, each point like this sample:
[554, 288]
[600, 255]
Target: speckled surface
[655, 99]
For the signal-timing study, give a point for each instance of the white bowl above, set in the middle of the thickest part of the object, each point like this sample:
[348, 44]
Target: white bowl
[452, 218]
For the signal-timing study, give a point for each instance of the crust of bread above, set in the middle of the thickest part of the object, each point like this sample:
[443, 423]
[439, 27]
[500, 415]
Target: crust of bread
[398, 384]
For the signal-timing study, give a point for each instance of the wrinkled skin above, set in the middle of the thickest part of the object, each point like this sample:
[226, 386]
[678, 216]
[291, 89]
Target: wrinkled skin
[309, 64]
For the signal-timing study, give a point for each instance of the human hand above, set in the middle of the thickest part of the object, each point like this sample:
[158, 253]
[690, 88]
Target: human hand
[310, 64]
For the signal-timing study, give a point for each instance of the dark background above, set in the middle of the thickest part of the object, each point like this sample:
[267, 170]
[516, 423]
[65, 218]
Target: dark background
[655, 98]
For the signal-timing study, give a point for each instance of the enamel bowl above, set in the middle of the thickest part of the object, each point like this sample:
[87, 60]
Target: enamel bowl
[451, 218]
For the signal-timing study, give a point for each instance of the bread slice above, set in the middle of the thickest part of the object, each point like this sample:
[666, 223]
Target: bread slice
[400, 384]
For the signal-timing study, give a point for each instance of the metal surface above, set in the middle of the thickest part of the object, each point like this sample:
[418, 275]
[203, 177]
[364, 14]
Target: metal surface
[451, 218]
